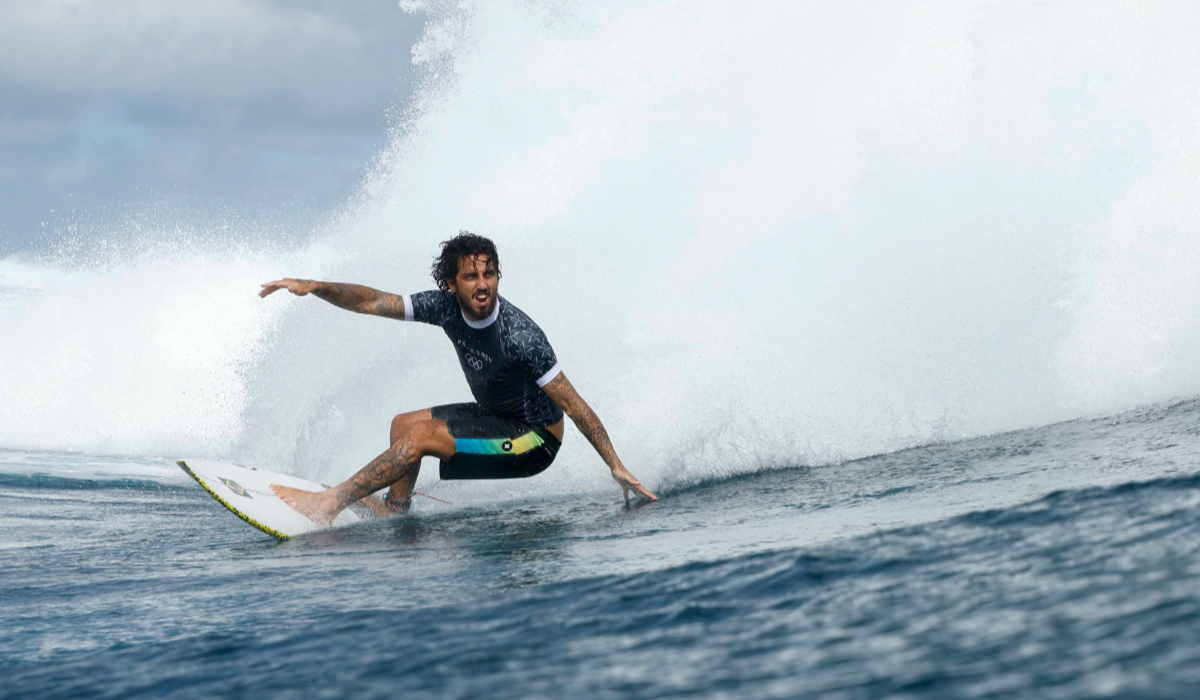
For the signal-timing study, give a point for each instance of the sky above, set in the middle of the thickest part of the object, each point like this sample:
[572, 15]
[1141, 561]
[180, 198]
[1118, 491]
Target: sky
[261, 112]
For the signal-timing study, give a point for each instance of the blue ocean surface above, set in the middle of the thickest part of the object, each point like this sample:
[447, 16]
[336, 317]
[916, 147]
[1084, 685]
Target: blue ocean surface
[771, 244]
[1056, 562]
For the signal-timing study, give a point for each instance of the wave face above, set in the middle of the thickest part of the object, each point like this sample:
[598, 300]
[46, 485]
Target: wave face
[1055, 562]
[793, 234]
[1029, 600]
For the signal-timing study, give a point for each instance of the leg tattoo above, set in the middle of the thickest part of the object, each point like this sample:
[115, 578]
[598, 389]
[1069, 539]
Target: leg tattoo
[386, 469]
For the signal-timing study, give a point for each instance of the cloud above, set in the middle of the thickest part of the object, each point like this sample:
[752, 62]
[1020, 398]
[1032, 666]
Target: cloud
[243, 104]
[230, 47]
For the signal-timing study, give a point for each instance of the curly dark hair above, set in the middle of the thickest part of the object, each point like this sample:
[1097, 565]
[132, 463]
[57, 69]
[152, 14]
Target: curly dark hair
[464, 245]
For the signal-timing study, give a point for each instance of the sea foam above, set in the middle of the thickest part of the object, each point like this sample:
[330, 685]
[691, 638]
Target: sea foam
[756, 236]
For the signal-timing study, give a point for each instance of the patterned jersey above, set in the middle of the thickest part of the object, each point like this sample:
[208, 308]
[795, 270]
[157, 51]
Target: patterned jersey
[506, 357]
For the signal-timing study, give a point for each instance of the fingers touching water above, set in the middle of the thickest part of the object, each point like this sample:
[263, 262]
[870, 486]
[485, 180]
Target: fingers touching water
[629, 482]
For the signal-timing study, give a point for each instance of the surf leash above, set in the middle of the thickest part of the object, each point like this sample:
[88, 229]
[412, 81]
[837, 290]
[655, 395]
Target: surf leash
[439, 500]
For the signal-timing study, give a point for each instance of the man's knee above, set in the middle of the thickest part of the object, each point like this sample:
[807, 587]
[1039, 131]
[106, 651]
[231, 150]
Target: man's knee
[403, 422]
[426, 437]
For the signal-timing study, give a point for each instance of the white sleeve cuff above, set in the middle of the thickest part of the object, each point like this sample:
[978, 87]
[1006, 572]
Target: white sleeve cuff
[545, 378]
[408, 309]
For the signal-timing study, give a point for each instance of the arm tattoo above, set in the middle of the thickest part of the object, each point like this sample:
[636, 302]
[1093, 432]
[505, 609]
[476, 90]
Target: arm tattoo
[389, 306]
[346, 296]
[361, 299]
[589, 424]
[569, 400]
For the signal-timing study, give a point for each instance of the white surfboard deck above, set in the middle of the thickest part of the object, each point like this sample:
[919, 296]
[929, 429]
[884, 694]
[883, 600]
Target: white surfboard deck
[246, 492]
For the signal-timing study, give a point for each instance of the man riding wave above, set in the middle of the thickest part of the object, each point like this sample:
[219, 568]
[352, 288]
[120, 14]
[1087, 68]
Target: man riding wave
[513, 429]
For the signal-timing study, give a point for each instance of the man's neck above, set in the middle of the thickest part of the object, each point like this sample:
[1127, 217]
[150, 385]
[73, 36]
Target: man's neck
[487, 320]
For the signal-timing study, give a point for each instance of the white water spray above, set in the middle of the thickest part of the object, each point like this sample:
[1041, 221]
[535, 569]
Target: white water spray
[755, 235]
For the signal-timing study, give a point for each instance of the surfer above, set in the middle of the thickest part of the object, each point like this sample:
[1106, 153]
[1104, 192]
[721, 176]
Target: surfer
[513, 429]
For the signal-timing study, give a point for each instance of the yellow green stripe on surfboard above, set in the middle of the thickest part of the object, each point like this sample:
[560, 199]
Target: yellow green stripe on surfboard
[269, 530]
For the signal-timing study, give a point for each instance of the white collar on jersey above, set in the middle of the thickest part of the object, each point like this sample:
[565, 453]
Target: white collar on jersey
[485, 322]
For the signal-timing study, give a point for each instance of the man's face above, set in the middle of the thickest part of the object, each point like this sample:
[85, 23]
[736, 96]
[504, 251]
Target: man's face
[475, 286]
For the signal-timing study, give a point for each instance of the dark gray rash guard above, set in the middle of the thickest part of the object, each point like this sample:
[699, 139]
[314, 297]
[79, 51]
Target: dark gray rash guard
[506, 357]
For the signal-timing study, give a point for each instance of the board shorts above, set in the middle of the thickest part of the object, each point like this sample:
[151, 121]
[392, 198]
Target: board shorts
[490, 447]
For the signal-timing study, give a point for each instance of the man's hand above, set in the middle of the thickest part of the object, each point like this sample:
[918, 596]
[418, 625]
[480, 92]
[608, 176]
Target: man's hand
[297, 287]
[629, 482]
[562, 393]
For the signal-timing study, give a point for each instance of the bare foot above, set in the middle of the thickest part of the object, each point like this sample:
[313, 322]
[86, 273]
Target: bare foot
[317, 506]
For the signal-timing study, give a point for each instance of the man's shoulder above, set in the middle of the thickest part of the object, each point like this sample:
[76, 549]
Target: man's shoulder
[515, 320]
[434, 306]
[519, 333]
[523, 342]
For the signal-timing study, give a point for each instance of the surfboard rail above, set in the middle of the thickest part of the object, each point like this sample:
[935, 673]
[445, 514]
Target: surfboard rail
[246, 492]
[265, 528]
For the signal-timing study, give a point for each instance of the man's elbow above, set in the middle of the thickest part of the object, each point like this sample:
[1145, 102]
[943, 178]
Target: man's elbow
[582, 414]
[571, 410]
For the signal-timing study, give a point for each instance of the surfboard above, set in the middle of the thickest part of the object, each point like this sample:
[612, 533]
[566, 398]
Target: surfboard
[246, 492]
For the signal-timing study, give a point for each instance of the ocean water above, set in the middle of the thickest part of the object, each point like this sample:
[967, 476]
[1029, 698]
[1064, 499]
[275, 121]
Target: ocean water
[1055, 562]
[848, 285]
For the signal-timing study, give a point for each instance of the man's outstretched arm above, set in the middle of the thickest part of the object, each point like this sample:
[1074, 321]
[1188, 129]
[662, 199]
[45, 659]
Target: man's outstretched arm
[572, 404]
[354, 297]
